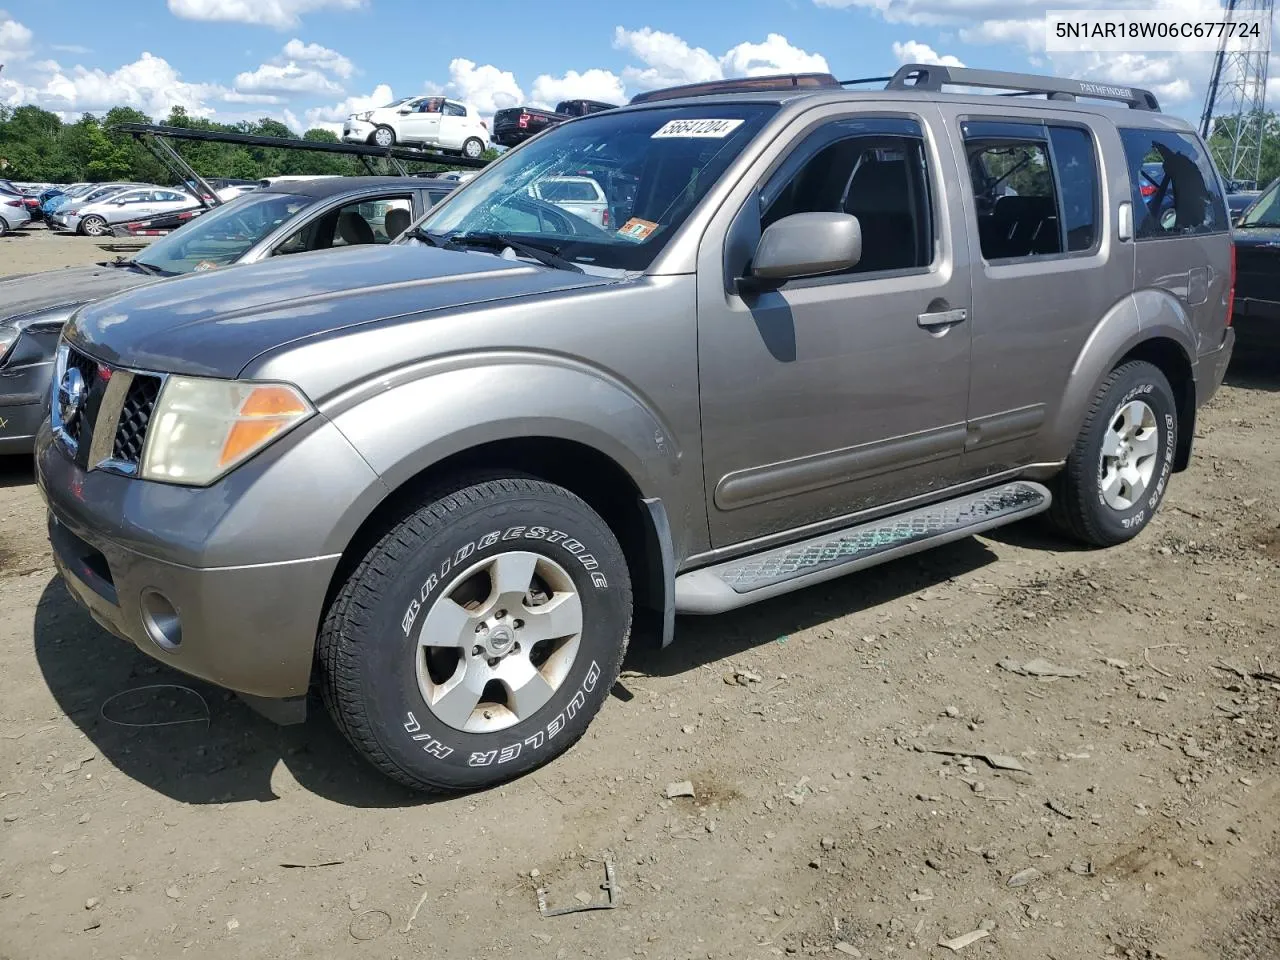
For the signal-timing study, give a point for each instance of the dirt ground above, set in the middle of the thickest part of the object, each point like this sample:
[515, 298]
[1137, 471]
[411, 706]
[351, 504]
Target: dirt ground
[1142, 824]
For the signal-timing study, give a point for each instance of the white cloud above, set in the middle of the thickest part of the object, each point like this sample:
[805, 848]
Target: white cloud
[1024, 33]
[330, 118]
[15, 39]
[322, 57]
[284, 80]
[913, 51]
[271, 13]
[72, 48]
[149, 84]
[775, 55]
[486, 87]
[592, 84]
[669, 60]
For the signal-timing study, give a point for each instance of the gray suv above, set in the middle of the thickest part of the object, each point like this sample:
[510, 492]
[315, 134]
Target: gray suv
[433, 479]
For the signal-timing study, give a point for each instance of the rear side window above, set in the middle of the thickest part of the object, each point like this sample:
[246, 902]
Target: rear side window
[1175, 189]
[1035, 188]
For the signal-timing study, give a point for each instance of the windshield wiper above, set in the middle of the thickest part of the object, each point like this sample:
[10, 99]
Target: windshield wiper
[144, 267]
[430, 239]
[501, 241]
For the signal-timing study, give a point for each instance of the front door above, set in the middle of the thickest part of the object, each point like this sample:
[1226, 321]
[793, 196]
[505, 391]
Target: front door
[422, 125]
[838, 393]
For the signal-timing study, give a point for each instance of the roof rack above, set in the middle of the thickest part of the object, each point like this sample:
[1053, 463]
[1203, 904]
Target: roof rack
[924, 76]
[783, 81]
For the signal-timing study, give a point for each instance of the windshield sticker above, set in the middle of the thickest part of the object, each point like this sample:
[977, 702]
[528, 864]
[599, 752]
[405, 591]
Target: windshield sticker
[206, 265]
[711, 129]
[637, 229]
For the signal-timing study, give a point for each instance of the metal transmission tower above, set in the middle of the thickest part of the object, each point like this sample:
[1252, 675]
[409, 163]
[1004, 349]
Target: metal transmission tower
[1237, 98]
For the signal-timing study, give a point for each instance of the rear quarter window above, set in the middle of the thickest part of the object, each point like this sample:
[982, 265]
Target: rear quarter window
[1175, 188]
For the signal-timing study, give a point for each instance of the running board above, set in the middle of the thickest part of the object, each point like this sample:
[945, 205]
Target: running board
[743, 580]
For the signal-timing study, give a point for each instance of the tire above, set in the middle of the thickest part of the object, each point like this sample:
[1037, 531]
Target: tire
[1103, 499]
[473, 148]
[402, 705]
[94, 227]
[383, 136]
[4, 226]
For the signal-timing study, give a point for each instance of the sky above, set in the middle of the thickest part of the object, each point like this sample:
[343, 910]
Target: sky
[311, 63]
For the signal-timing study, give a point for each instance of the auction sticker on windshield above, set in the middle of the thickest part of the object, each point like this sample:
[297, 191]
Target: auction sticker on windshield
[714, 129]
[637, 229]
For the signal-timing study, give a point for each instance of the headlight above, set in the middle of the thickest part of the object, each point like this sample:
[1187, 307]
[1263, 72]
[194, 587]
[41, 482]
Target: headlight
[367, 115]
[200, 429]
[8, 337]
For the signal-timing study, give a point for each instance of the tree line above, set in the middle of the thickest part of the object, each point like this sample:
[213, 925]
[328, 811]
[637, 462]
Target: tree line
[38, 146]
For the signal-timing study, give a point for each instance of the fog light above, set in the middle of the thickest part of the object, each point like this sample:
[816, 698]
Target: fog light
[161, 620]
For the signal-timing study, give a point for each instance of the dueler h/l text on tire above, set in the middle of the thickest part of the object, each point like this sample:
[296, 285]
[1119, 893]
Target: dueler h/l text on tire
[479, 637]
[1119, 468]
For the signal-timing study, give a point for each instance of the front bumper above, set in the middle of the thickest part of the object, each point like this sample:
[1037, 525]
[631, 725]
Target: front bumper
[1257, 322]
[155, 564]
[71, 223]
[357, 131]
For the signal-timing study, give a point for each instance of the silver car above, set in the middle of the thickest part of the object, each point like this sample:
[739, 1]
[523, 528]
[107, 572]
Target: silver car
[94, 218]
[80, 196]
[13, 212]
[439, 476]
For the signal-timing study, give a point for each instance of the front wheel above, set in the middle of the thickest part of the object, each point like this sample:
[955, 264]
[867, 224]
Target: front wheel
[94, 227]
[473, 148]
[479, 637]
[384, 137]
[1119, 469]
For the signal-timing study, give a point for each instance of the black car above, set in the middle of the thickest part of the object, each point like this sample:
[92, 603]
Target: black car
[288, 218]
[1257, 291]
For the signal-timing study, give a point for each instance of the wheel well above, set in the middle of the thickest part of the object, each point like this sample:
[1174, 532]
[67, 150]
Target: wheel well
[596, 478]
[1172, 361]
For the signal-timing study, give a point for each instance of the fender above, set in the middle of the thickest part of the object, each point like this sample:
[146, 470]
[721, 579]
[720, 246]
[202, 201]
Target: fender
[402, 426]
[1141, 317]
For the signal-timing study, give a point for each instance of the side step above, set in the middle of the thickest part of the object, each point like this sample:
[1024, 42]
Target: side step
[743, 580]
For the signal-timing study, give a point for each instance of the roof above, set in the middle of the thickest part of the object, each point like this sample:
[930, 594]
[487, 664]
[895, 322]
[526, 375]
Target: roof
[919, 83]
[323, 187]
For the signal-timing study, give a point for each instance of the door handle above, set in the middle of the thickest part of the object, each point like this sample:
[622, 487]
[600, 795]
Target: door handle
[942, 318]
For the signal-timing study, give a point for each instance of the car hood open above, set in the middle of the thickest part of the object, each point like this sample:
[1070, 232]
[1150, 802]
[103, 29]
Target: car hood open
[215, 323]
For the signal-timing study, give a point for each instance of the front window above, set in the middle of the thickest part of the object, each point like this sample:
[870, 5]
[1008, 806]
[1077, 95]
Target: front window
[655, 166]
[223, 235]
[1265, 211]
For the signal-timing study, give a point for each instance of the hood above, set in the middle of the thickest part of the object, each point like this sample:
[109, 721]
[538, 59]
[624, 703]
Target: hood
[215, 323]
[1256, 237]
[30, 292]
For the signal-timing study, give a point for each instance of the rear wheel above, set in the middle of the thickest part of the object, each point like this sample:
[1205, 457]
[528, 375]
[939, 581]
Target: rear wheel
[384, 136]
[1119, 469]
[473, 148]
[478, 638]
[4, 226]
[94, 227]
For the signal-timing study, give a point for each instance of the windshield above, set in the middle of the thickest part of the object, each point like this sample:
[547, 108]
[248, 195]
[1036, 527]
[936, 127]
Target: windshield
[1265, 211]
[223, 235]
[655, 167]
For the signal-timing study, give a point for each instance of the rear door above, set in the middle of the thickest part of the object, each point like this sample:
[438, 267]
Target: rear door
[454, 125]
[1049, 266]
[1180, 217]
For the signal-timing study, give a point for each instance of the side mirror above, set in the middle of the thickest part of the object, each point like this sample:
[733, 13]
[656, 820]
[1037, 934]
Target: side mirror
[404, 113]
[805, 245]
[118, 203]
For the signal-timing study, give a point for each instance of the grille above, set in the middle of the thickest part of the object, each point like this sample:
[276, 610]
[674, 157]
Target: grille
[89, 372]
[135, 415]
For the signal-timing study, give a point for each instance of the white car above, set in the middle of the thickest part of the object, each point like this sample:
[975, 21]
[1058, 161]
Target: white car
[13, 212]
[421, 122]
[581, 196]
[95, 219]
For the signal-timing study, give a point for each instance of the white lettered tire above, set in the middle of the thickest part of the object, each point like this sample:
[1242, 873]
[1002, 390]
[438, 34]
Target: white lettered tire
[479, 637]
